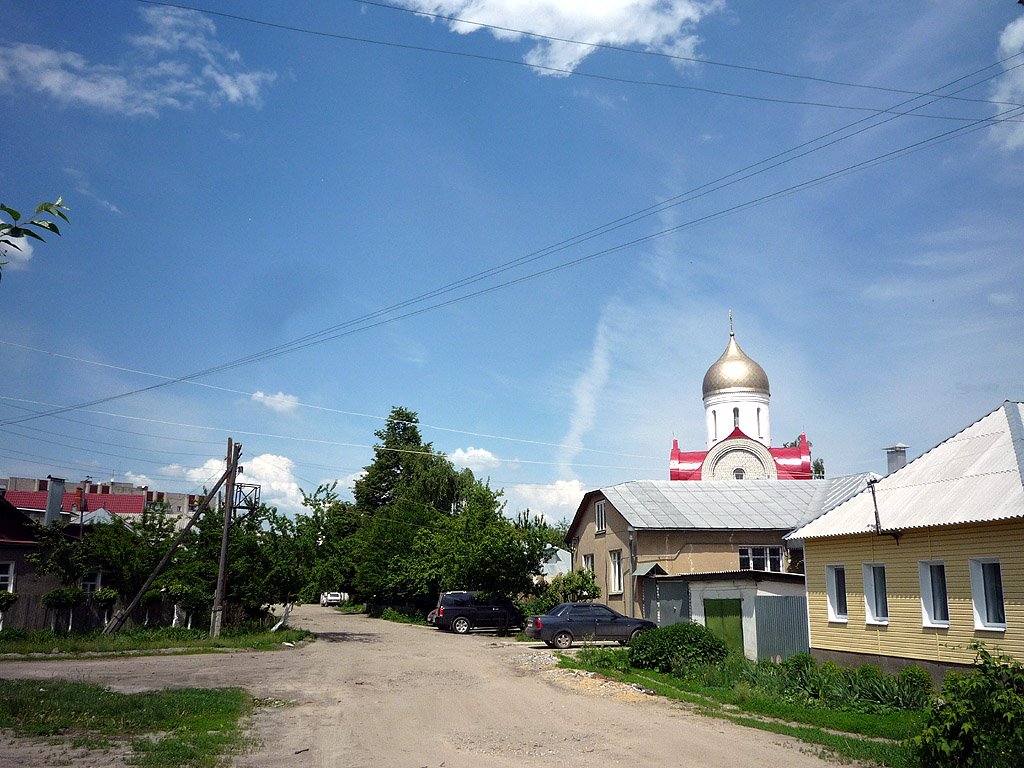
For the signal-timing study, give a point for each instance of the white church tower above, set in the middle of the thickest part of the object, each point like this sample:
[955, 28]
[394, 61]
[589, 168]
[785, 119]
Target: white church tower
[736, 395]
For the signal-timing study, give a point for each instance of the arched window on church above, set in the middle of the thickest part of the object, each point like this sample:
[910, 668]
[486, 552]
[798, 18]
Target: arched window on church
[735, 417]
[759, 435]
[714, 425]
[738, 473]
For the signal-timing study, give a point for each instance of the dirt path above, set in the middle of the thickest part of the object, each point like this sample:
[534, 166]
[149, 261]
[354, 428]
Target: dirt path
[371, 692]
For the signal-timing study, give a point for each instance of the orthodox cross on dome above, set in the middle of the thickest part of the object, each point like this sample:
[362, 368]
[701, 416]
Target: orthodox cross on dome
[731, 331]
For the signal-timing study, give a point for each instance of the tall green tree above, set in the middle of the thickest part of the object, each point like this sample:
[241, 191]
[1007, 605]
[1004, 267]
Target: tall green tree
[395, 460]
[425, 526]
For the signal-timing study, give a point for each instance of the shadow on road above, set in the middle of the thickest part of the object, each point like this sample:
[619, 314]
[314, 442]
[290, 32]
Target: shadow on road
[347, 637]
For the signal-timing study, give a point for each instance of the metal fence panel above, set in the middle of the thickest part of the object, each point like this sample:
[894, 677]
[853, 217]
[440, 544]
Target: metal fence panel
[781, 626]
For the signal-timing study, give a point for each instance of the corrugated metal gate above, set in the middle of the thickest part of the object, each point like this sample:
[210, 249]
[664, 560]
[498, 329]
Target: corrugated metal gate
[781, 626]
[666, 601]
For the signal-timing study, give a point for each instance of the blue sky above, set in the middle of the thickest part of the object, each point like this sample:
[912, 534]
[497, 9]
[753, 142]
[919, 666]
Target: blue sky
[236, 185]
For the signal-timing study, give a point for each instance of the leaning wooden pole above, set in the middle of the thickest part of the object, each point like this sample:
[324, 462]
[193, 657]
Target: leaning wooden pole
[217, 615]
[120, 616]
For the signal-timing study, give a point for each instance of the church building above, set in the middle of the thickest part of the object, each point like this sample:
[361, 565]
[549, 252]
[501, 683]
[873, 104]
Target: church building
[739, 428]
[714, 551]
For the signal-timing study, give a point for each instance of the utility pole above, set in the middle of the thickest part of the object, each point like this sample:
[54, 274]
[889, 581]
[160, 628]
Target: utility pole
[217, 617]
[120, 616]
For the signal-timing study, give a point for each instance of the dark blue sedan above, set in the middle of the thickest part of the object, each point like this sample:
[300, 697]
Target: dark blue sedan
[569, 622]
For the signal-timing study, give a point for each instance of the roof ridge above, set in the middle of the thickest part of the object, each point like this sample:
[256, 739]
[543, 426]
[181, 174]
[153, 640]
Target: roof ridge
[1013, 420]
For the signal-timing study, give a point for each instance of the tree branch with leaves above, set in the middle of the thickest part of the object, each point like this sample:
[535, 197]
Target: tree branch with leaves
[15, 229]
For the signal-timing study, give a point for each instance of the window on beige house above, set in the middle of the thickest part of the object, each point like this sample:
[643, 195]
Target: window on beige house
[588, 563]
[761, 559]
[599, 516]
[615, 571]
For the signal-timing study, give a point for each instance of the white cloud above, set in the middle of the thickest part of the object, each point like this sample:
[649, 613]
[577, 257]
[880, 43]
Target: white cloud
[273, 473]
[83, 187]
[659, 25]
[586, 392]
[1010, 86]
[177, 64]
[280, 402]
[476, 459]
[138, 479]
[18, 254]
[278, 486]
[554, 501]
[1002, 299]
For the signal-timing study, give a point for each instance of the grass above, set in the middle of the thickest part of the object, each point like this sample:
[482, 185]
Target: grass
[852, 735]
[142, 639]
[351, 608]
[390, 614]
[190, 727]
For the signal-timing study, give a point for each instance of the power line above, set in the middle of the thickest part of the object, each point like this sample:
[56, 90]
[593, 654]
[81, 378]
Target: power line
[338, 443]
[542, 67]
[322, 336]
[669, 56]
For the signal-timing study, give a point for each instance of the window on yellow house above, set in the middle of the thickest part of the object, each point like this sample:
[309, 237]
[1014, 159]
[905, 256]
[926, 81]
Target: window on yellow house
[987, 593]
[835, 590]
[876, 601]
[934, 602]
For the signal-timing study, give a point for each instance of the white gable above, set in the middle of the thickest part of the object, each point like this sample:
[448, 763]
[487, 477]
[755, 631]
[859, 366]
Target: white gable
[974, 476]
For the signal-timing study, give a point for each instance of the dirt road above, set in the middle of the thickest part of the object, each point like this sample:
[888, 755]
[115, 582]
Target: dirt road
[374, 693]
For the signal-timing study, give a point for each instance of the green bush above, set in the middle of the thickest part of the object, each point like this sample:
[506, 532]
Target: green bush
[978, 720]
[731, 671]
[676, 647]
[914, 688]
[7, 599]
[64, 597]
[104, 598]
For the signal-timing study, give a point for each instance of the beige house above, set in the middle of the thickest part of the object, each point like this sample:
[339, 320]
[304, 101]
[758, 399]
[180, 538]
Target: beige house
[632, 534]
[931, 561]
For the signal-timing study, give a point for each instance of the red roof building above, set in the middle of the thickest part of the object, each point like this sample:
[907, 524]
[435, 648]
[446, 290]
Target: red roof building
[116, 503]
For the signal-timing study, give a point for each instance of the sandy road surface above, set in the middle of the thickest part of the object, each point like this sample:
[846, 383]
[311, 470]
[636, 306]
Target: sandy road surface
[373, 693]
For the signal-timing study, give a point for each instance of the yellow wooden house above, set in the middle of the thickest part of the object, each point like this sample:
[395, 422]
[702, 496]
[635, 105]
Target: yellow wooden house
[928, 560]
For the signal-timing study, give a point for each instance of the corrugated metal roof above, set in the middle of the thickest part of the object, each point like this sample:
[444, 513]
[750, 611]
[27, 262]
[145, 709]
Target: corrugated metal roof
[728, 504]
[973, 476]
[119, 503]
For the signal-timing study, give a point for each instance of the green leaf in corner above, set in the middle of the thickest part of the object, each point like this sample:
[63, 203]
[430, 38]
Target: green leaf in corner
[48, 225]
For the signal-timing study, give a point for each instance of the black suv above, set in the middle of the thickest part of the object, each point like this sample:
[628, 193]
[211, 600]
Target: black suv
[462, 611]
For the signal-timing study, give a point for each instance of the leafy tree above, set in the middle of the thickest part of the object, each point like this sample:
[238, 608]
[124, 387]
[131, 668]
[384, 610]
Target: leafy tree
[979, 718]
[58, 554]
[424, 526]
[15, 229]
[125, 554]
[325, 543]
[553, 535]
[395, 459]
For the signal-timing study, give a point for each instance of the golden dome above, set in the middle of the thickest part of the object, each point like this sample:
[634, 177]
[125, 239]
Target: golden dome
[734, 370]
